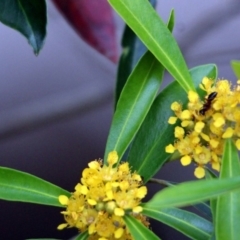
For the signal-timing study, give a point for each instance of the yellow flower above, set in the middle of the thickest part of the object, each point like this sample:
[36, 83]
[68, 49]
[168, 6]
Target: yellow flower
[105, 194]
[176, 107]
[199, 126]
[206, 84]
[63, 200]
[206, 124]
[186, 160]
[228, 133]
[186, 114]
[170, 148]
[199, 172]
[179, 132]
[193, 97]
[172, 120]
[238, 144]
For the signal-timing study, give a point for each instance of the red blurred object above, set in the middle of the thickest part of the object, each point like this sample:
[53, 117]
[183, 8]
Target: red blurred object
[93, 20]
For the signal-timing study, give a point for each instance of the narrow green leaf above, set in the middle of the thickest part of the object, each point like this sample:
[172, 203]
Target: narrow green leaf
[171, 21]
[204, 209]
[28, 17]
[82, 236]
[134, 103]
[228, 207]
[213, 201]
[133, 50]
[138, 230]
[213, 237]
[230, 164]
[24, 187]
[192, 192]
[155, 133]
[149, 27]
[236, 68]
[188, 223]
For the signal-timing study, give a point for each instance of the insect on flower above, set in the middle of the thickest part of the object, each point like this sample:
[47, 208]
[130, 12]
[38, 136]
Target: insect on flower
[206, 106]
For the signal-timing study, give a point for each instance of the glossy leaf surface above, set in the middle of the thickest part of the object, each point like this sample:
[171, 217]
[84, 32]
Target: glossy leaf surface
[149, 27]
[192, 192]
[134, 103]
[20, 186]
[155, 132]
[132, 50]
[188, 223]
[138, 230]
[228, 207]
[28, 17]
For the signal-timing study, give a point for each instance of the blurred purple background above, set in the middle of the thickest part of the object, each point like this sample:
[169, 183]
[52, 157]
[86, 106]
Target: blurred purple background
[68, 71]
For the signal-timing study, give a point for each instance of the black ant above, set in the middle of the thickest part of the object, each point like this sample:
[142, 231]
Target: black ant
[207, 103]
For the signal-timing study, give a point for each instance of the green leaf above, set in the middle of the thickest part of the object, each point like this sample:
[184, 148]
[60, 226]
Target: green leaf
[192, 192]
[24, 187]
[204, 209]
[188, 223]
[171, 21]
[82, 236]
[28, 17]
[228, 207]
[147, 153]
[133, 50]
[149, 27]
[134, 103]
[236, 68]
[213, 237]
[138, 230]
[213, 201]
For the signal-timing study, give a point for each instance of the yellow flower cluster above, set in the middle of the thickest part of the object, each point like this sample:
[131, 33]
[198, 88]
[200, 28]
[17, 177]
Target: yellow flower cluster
[105, 194]
[205, 125]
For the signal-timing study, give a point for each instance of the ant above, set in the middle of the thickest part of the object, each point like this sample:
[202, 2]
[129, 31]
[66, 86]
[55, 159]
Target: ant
[207, 103]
